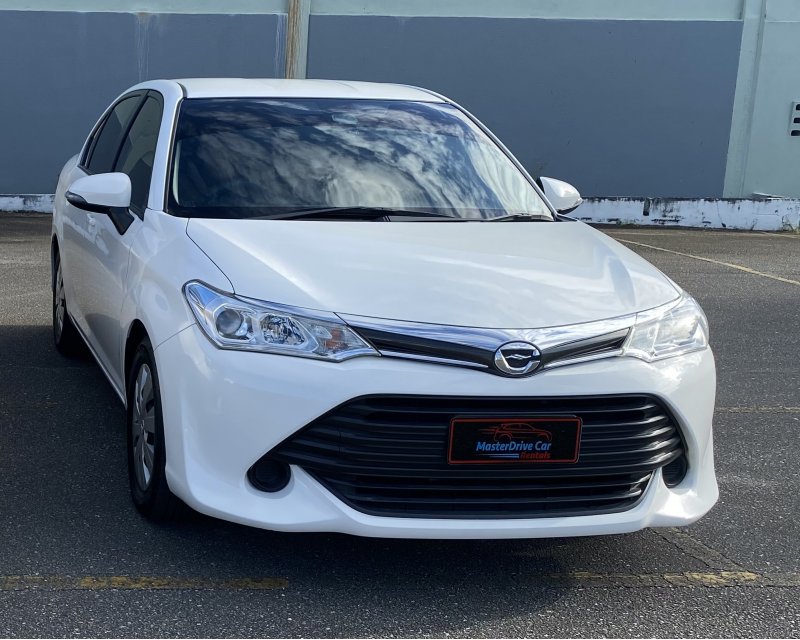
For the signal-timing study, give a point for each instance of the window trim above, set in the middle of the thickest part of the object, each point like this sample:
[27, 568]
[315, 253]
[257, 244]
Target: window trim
[91, 141]
[171, 151]
[160, 100]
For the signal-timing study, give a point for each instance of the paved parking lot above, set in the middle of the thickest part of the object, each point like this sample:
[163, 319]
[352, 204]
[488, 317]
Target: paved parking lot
[77, 560]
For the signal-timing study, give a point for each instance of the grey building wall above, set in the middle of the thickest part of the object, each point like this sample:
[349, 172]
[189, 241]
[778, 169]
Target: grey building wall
[621, 97]
[60, 70]
[619, 108]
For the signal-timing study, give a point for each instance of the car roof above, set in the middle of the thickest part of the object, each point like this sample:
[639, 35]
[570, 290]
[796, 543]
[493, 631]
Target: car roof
[279, 88]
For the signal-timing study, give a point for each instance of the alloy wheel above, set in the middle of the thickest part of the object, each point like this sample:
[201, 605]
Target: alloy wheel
[59, 302]
[143, 427]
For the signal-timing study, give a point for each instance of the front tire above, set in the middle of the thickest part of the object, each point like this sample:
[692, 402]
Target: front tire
[146, 449]
[66, 337]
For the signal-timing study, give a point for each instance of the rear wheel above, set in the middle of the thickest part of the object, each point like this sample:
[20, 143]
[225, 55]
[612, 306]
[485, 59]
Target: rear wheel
[146, 449]
[66, 337]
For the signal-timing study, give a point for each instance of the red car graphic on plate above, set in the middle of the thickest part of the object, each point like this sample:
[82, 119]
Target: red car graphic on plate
[508, 431]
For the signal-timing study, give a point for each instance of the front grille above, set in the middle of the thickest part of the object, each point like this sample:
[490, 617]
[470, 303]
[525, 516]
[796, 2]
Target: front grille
[387, 455]
[477, 347]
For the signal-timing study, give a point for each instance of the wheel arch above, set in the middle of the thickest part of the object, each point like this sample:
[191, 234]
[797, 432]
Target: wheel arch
[54, 251]
[136, 333]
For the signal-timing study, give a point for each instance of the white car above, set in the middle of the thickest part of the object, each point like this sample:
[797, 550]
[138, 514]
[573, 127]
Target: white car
[345, 306]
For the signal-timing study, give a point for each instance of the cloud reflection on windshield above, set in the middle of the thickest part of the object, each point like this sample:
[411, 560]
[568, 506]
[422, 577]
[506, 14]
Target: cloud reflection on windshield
[269, 155]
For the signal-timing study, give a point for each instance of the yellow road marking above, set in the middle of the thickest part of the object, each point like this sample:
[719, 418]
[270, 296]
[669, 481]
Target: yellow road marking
[692, 547]
[101, 583]
[710, 579]
[719, 262]
[688, 579]
[758, 409]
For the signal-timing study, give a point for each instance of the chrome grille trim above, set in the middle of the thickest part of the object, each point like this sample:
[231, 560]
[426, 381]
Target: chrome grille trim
[581, 359]
[474, 347]
[433, 359]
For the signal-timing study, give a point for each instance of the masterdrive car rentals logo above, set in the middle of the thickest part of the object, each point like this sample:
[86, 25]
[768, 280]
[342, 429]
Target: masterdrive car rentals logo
[514, 441]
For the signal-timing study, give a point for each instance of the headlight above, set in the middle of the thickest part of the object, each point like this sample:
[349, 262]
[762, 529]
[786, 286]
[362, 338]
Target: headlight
[251, 325]
[669, 331]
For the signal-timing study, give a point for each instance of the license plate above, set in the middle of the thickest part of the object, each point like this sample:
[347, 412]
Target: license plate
[514, 440]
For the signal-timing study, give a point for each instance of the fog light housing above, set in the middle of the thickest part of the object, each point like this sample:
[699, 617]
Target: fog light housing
[269, 475]
[674, 473]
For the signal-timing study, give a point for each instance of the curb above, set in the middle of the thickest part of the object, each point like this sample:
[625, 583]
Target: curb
[26, 203]
[772, 214]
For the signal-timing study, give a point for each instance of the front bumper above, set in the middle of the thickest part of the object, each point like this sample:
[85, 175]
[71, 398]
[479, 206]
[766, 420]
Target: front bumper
[223, 410]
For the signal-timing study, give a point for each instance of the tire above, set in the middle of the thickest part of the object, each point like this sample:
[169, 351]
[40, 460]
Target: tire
[146, 449]
[66, 337]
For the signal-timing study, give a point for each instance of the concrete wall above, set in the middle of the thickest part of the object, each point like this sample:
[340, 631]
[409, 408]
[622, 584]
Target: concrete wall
[625, 107]
[631, 98]
[60, 70]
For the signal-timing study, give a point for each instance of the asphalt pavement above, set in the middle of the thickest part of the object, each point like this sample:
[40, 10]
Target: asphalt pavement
[76, 559]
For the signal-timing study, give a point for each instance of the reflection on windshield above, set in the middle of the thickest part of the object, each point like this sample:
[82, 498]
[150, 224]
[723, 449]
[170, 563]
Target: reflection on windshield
[249, 157]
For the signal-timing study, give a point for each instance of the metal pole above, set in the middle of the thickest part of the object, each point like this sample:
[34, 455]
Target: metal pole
[298, 12]
[753, 18]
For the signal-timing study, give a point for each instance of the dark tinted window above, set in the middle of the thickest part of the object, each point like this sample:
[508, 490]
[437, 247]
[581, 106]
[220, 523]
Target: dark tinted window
[104, 148]
[138, 151]
[254, 157]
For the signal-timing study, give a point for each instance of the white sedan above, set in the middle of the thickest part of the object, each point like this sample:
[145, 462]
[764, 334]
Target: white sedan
[335, 306]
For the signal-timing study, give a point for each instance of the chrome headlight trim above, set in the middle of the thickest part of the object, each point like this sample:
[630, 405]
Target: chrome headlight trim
[244, 324]
[668, 331]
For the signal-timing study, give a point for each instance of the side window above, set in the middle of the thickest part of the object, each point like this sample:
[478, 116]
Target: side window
[139, 150]
[103, 150]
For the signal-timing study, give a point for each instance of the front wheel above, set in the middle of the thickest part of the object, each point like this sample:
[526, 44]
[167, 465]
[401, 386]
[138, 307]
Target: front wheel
[146, 449]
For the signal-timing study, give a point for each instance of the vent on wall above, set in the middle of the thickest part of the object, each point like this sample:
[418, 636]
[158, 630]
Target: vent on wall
[794, 125]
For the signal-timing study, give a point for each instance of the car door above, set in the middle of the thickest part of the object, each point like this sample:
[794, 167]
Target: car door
[80, 241]
[114, 234]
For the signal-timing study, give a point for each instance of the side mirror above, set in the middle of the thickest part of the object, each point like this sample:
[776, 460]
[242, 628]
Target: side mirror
[101, 193]
[562, 195]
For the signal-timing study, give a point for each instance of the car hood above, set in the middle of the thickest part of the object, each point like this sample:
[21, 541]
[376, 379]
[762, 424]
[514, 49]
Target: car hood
[499, 275]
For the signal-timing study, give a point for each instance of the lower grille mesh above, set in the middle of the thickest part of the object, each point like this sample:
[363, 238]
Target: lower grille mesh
[386, 455]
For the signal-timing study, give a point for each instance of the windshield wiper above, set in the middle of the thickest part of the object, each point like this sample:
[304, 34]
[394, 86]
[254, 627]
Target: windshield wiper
[522, 217]
[353, 213]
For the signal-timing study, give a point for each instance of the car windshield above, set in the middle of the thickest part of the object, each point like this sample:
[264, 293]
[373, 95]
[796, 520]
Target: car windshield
[241, 158]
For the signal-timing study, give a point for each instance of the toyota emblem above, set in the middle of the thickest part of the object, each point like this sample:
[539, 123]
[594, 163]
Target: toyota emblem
[517, 358]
